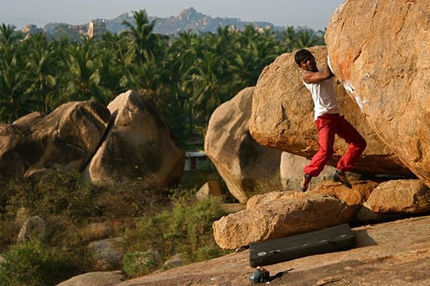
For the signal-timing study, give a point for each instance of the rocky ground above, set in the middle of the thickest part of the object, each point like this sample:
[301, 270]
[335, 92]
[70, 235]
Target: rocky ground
[392, 253]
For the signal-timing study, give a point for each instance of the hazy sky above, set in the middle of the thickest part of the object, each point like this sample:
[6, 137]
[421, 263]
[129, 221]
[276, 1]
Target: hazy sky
[312, 13]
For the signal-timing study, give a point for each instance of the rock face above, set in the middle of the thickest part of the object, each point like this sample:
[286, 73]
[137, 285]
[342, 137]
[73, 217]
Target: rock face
[379, 51]
[61, 141]
[282, 118]
[138, 146]
[238, 158]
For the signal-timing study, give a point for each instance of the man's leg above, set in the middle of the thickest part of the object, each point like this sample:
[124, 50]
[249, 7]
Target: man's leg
[326, 135]
[356, 142]
[326, 140]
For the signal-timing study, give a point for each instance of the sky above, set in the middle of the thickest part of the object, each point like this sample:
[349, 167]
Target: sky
[312, 13]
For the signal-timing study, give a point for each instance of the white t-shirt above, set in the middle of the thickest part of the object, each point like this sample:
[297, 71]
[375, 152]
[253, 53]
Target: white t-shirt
[324, 97]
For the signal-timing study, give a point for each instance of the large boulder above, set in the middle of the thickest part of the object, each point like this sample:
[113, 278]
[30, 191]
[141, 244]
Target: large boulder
[379, 52]
[240, 160]
[283, 214]
[139, 148]
[65, 139]
[62, 141]
[400, 196]
[282, 117]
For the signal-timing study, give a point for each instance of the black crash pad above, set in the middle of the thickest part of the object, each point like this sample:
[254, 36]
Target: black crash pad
[330, 239]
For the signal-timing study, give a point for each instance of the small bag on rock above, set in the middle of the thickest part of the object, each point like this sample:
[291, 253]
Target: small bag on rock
[260, 275]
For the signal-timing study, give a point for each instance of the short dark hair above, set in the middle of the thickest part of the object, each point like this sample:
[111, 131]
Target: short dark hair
[302, 55]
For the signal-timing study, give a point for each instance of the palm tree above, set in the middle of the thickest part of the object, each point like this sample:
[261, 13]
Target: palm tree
[208, 91]
[82, 76]
[180, 57]
[145, 53]
[253, 51]
[140, 39]
[13, 99]
[40, 72]
[287, 40]
[223, 40]
[111, 72]
[8, 36]
[307, 38]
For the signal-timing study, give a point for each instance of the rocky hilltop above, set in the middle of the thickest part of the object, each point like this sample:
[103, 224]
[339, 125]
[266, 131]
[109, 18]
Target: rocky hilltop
[188, 20]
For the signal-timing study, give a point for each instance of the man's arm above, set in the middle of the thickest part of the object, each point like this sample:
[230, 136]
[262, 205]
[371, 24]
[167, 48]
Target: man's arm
[315, 77]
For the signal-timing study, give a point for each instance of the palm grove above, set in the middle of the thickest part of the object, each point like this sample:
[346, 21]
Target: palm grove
[186, 76]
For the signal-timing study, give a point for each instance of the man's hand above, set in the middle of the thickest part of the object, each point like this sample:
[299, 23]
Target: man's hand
[317, 76]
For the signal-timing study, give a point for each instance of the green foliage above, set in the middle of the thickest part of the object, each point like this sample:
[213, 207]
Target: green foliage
[32, 264]
[139, 263]
[185, 228]
[129, 201]
[53, 194]
[8, 232]
[157, 226]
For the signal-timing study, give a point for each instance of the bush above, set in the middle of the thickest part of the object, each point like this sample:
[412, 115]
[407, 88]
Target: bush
[185, 228]
[8, 234]
[31, 264]
[139, 263]
[53, 194]
[63, 194]
[148, 219]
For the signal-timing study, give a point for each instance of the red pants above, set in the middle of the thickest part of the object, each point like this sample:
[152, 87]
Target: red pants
[328, 125]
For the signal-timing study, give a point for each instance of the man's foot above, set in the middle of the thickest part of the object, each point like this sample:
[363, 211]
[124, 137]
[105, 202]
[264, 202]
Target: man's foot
[306, 179]
[340, 176]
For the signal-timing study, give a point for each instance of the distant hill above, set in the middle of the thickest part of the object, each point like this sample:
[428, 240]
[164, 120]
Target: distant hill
[188, 20]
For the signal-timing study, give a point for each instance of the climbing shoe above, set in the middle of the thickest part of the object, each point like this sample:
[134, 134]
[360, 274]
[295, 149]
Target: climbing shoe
[306, 179]
[340, 176]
